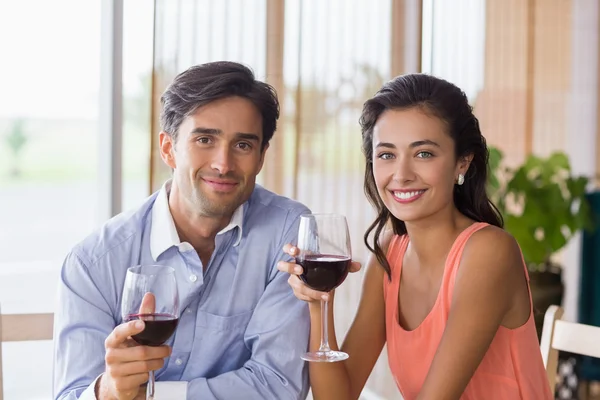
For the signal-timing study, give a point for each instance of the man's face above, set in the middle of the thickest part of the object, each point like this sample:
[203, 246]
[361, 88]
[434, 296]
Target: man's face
[216, 156]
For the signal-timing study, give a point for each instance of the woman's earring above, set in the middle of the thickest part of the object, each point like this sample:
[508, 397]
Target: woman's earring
[461, 179]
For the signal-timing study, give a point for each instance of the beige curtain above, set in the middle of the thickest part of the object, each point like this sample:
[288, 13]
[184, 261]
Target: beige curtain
[518, 77]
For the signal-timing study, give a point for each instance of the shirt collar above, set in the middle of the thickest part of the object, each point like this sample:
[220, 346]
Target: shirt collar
[163, 234]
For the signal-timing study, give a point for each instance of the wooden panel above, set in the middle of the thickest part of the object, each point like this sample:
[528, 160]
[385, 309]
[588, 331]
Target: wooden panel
[523, 106]
[501, 105]
[272, 174]
[551, 83]
[406, 31]
[25, 327]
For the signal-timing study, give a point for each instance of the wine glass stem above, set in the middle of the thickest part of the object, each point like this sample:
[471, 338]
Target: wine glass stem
[150, 386]
[324, 327]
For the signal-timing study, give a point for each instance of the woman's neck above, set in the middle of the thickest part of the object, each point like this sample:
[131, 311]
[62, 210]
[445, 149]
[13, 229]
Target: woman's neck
[432, 238]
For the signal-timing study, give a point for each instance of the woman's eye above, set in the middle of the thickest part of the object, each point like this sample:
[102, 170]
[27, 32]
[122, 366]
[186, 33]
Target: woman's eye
[424, 154]
[385, 156]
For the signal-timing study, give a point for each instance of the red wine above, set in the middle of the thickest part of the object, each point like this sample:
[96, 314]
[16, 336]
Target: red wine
[324, 272]
[158, 329]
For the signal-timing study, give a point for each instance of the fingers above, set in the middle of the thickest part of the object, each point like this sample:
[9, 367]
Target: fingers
[127, 367]
[291, 250]
[354, 266]
[122, 332]
[148, 304]
[305, 293]
[136, 367]
[137, 353]
[290, 267]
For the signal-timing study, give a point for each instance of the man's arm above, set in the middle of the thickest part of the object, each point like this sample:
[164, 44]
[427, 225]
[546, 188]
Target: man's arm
[91, 359]
[82, 322]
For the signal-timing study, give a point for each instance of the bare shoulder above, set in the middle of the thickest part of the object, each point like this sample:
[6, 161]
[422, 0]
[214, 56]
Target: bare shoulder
[494, 252]
[495, 240]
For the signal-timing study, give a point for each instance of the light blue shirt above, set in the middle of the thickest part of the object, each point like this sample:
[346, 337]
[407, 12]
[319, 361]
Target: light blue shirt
[241, 330]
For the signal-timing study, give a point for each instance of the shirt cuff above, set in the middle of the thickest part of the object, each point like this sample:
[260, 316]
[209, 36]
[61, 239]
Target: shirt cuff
[170, 390]
[90, 392]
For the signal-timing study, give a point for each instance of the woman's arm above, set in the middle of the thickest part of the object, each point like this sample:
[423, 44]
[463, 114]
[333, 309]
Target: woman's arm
[490, 274]
[363, 343]
[365, 339]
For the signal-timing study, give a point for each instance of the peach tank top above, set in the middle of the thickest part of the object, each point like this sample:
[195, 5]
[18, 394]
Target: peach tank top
[511, 369]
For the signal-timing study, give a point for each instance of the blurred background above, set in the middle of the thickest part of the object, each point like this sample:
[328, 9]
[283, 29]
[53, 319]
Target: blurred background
[80, 83]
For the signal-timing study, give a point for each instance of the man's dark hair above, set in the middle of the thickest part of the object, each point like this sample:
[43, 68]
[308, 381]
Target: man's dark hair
[205, 83]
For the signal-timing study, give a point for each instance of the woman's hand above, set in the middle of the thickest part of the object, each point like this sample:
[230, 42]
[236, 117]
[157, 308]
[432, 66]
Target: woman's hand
[302, 291]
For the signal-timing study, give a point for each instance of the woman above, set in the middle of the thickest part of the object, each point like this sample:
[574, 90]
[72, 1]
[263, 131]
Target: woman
[446, 287]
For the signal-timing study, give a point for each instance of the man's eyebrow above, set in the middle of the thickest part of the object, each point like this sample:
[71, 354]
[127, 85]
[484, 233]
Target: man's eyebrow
[248, 136]
[212, 131]
[206, 131]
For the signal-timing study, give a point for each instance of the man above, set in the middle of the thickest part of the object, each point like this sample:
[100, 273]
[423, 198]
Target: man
[241, 331]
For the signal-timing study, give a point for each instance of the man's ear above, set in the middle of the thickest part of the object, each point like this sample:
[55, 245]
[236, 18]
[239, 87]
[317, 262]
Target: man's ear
[167, 149]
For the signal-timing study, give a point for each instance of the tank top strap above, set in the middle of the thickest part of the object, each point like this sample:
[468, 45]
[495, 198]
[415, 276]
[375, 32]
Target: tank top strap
[455, 254]
[394, 255]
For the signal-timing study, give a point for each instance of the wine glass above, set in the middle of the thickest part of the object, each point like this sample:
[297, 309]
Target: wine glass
[325, 256]
[150, 294]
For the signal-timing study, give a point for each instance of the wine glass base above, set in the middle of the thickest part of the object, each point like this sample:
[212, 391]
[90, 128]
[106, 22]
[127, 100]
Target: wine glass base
[325, 356]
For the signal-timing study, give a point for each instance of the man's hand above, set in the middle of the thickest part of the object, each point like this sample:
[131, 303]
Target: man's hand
[127, 363]
[141, 393]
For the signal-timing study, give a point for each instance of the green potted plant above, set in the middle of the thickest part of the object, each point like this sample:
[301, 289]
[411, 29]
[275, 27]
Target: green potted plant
[543, 204]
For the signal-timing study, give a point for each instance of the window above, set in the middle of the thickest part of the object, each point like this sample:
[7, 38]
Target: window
[50, 155]
[48, 163]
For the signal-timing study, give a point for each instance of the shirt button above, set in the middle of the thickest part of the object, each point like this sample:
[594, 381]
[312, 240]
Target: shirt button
[193, 278]
[189, 311]
[178, 361]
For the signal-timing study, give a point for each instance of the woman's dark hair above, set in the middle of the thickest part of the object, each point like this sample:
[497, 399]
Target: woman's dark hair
[205, 83]
[447, 102]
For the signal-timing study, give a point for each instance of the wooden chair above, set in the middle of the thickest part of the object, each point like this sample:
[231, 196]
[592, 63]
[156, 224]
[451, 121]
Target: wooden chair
[565, 336]
[23, 327]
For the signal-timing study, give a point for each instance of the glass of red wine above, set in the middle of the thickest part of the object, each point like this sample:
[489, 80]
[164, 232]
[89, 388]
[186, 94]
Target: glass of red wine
[150, 294]
[325, 256]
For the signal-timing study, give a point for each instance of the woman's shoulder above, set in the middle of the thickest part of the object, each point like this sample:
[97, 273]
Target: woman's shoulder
[493, 246]
[494, 238]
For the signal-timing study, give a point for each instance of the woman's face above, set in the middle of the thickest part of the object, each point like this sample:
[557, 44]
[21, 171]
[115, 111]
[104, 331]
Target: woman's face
[414, 164]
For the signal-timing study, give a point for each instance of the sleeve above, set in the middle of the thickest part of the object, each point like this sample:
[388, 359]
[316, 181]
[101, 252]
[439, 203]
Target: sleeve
[82, 321]
[277, 335]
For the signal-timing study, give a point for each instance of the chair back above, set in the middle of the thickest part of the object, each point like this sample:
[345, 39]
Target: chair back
[21, 328]
[565, 336]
